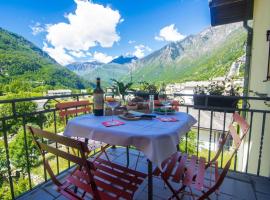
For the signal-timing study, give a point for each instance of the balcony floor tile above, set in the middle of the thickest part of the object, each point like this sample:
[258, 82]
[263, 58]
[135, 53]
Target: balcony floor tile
[236, 186]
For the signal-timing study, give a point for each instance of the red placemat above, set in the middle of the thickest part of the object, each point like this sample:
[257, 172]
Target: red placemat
[113, 123]
[167, 119]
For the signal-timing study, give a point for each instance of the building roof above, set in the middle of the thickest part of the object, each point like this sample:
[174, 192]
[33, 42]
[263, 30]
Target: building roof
[230, 11]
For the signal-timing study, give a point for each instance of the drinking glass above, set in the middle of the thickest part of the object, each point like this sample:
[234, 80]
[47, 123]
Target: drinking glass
[162, 96]
[113, 103]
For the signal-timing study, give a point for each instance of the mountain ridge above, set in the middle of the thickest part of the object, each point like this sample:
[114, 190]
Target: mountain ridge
[197, 57]
[201, 56]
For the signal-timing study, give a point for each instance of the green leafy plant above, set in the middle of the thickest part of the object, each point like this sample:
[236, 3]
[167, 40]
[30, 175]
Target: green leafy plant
[226, 88]
[216, 88]
[199, 90]
[148, 87]
[121, 87]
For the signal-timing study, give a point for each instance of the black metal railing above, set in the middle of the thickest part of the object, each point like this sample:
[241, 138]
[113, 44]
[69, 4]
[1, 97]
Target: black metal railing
[211, 122]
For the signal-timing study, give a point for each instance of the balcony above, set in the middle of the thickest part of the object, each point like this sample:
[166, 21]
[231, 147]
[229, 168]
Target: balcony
[236, 185]
[24, 176]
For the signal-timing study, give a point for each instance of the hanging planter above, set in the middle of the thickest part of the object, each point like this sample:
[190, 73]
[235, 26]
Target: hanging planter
[216, 101]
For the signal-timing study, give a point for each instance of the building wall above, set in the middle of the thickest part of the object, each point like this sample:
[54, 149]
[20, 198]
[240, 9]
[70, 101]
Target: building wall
[258, 73]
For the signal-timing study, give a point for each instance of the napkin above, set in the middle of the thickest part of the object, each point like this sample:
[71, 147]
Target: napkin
[113, 123]
[167, 119]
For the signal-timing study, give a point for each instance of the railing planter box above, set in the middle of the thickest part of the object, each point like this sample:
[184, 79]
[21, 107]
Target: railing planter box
[215, 102]
[145, 95]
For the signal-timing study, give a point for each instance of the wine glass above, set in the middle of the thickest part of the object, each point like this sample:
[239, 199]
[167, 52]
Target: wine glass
[163, 98]
[113, 103]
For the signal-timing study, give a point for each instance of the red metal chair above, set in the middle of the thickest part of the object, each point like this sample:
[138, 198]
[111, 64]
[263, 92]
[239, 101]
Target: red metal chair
[99, 179]
[190, 171]
[75, 108]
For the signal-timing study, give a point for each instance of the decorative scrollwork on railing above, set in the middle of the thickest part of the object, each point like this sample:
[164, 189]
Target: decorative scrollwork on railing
[180, 99]
[47, 106]
[267, 103]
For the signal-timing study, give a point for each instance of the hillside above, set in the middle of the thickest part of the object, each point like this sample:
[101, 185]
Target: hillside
[24, 64]
[198, 57]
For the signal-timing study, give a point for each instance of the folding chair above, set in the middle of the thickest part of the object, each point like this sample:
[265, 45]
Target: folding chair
[98, 179]
[190, 171]
[75, 108]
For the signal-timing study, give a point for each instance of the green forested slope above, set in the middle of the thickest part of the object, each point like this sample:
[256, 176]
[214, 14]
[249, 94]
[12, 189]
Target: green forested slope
[27, 67]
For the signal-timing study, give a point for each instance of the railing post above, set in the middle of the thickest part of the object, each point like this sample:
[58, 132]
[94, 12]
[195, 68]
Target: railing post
[249, 139]
[223, 132]
[8, 161]
[56, 144]
[14, 109]
[210, 137]
[198, 131]
[26, 151]
[261, 144]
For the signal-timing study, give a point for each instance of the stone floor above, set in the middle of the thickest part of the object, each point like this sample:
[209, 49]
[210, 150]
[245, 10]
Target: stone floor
[235, 186]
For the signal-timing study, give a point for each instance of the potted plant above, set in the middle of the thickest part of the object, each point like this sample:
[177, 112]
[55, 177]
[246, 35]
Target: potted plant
[222, 94]
[199, 96]
[122, 88]
[146, 89]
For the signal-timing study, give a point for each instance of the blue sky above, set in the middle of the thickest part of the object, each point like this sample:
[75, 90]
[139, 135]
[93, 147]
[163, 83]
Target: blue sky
[81, 30]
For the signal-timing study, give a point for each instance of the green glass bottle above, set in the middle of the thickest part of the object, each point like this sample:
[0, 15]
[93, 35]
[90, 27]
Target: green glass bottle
[98, 100]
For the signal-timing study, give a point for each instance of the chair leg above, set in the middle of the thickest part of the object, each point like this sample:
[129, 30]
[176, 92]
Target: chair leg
[127, 156]
[137, 160]
[171, 188]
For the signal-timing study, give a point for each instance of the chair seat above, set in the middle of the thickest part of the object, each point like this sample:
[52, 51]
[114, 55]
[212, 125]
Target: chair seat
[113, 181]
[181, 168]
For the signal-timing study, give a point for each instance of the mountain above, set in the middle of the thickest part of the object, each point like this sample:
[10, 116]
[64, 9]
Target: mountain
[124, 59]
[84, 67]
[203, 56]
[23, 63]
[107, 72]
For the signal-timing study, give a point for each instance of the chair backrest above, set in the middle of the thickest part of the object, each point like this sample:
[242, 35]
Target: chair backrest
[41, 139]
[244, 127]
[67, 109]
[237, 140]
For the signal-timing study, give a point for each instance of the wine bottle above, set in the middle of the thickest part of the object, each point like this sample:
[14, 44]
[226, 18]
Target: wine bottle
[98, 99]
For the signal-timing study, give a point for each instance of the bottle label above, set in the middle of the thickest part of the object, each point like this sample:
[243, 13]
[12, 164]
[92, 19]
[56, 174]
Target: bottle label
[98, 101]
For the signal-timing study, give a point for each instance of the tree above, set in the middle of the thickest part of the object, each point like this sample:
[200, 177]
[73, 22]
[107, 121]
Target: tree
[20, 186]
[18, 153]
[3, 163]
[191, 143]
[22, 108]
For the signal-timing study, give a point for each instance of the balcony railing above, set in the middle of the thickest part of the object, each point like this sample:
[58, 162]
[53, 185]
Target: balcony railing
[22, 168]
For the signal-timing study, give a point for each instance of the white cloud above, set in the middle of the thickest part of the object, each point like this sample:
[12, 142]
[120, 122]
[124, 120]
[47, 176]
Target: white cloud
[131, 41]
[140, 50]
[37, 28]
[78, 54]
[169, 33]
[101, 57]
[89, 26]
[59, 54]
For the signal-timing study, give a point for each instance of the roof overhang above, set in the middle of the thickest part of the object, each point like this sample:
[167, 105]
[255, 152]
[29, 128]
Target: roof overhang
[230, 11]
